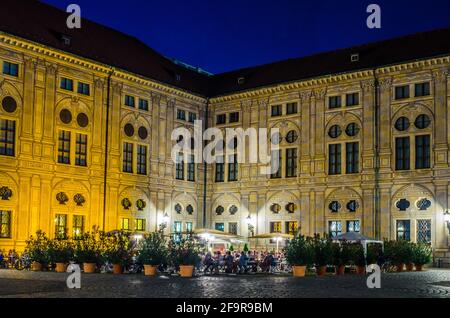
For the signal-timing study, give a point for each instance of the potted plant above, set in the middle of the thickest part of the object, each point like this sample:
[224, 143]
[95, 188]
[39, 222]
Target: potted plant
[117, 250]
[299, 254]
[409, 256]
[152, 253]
[37, 248]
[421, 255]
[184, 254]
[358, 258]
[60, 252]
[323, 254]
[88, 251]
[401, 254]
[341, 255]
[374, 253]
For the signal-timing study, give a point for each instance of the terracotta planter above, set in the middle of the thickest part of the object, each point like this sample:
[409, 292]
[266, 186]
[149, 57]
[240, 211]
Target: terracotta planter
[36, 267]
[321, 270]
[89, 268]
[186, 270]
[410, 267]
[299, 271]
[150, 270]
[361, 270]
[419, 268]
[399, 267]
[117, 269]
[61, 267]
[340, 270]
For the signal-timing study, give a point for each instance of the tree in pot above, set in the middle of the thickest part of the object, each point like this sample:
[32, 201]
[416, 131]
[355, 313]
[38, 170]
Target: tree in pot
[37, 248]
[400, 254]
[374, 254]
[408, 256]
[341, 255]
[299, 254]
[117, 250]
[60, 252]
[421, 255]
[323, 253]
[88, 251]
[152, 253]
[358, 258]
[184, 254]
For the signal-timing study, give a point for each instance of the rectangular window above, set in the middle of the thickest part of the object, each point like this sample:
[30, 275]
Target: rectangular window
[277, 110]
[81, 150]
[77, 226]
[233, 168]
[61, 226]
[403, 230]
[192, 117]
[402, 156]
[234, 117]
[177, 229]
[83, 89]
[291, 108]
[142, 160]
[291, 227]
[353, 226]
[352, 157]
[334, 228]
[220, 170]
[129, 101]
[352, 99]
[334, 160]
[334, 102]
[276, 163]
[66, 84]
[139, 225]
[179, 167]
[220, 227]
[291, 163]
[402, 92]
[143, 104]
[191, 168]
[189, 227]
[275, 227]
[127, 157]
[7, 137]
[10, 69]
[125, 224]
[221, 119]
[422, 89]
[181, 114]
[424, 231]
[423, 152]
[64, 147]
[233, 228]
[5, 224]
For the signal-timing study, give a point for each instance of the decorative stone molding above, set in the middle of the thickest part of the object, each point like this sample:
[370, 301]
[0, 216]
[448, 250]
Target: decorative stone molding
[440, 76]
[305, 96]
[368, 86]
[5, 193]
[320, 93]
[385, 83]
[117, 88]
[99, 83]
[51, 69]
[62, 198]
[79, 199]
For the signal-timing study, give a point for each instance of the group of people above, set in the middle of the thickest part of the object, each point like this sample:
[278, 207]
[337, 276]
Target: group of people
[8, 259]
[232, 262]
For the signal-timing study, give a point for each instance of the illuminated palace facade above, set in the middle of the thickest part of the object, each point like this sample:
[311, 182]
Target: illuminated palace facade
[85, 138]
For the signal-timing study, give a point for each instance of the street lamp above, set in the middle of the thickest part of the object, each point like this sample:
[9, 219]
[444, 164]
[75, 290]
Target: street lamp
[447, 220]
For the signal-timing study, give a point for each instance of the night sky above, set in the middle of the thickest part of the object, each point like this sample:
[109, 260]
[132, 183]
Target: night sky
[220, 36]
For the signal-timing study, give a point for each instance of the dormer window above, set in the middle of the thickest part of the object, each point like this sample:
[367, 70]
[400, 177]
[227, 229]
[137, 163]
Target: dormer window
[241, 80]
[66, 40]
[354, 57]
[178, 77]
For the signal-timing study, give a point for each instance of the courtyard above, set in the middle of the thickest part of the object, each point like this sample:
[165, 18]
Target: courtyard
[432, 283]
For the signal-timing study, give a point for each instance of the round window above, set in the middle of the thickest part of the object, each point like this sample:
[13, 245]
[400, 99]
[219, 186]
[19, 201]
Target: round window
[143, 133]
[352, 130]
[82, 120]
[9, 104]
[402, 124]
[66, 116]
[129, 130]
[335, 131]
[292, 136]
[422, 122]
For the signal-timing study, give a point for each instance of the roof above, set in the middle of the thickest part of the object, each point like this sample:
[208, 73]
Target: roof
[44, 24]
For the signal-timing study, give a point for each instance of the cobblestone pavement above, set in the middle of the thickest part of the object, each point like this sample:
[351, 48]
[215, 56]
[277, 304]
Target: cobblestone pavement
[430, 283]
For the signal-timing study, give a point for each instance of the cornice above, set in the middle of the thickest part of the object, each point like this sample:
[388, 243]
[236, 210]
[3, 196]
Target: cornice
[95, 66]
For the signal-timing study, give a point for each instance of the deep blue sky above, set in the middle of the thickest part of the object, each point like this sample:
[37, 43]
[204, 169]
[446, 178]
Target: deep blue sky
[223, 35]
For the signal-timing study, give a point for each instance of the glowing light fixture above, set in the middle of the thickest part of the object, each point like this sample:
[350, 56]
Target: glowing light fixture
[447, 220]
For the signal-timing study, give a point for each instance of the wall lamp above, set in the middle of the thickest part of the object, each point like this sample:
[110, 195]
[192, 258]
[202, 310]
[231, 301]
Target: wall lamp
[447, 220]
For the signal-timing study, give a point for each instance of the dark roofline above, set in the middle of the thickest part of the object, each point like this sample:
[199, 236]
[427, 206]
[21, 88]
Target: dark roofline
[42, 23]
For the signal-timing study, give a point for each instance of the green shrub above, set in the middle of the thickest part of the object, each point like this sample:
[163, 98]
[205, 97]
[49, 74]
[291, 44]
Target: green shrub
[88, 248]
[323, 253]
[299, 252]
[422, 254]
[374, 253]
[341, 253]
[60, 251]
[116, 248]
[357, 255]
[37, 248]
[153, 250]
[184, 252]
